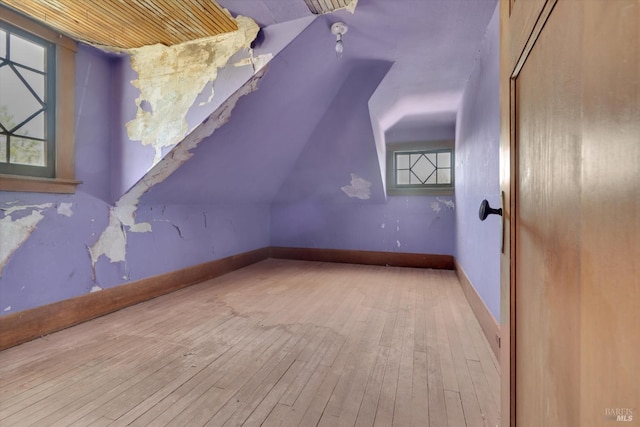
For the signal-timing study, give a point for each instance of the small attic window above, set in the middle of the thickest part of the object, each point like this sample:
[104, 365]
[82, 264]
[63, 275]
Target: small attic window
[423, 168]
[420, 168]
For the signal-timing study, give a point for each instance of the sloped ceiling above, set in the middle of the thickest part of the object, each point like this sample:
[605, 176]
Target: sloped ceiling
[249, 158]
[309, 125]
[315, 119]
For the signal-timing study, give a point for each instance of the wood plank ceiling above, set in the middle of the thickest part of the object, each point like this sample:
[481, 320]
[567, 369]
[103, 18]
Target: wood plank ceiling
[130, 23]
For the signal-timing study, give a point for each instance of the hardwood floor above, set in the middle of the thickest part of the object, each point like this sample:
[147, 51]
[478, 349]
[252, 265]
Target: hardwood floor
[280, 342]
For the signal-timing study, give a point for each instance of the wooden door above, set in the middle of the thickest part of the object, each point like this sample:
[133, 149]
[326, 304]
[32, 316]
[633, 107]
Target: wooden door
[571, 175]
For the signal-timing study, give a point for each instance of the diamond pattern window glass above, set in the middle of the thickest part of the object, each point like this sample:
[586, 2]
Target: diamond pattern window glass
[423, 169]
[27, 99]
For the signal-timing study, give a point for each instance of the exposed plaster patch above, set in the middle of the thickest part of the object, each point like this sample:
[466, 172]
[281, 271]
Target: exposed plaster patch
[398, 243]
[382, 225]
[65, 209]
[9, 211]
[7, 308]
[435, 206]
[171, 77]
[95, 288]
[182, 152]
[15, 233]
[359, 188]
[322, 8]
[113, 240]
[448, 203]
[257, 62]
[351, 7]
[213, 92]
[126, 214]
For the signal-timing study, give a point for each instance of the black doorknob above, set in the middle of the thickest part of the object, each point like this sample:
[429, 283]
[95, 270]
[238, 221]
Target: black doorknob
[486, 210]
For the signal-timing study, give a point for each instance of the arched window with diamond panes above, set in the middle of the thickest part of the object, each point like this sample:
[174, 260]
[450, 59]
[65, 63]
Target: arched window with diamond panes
[27, 99]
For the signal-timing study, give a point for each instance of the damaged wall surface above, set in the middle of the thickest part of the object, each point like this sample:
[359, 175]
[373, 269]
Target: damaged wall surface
[195, 79]
[197, 62]
[403, 224]
[50, 250]
[164, 83]
[108, 237]
[334, 197]
[293, 163]
[171, 77]
[250, 157]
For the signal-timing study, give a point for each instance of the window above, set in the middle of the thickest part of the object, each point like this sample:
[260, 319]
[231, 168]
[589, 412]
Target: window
[37, 81]
[420, 168]
[27, 103]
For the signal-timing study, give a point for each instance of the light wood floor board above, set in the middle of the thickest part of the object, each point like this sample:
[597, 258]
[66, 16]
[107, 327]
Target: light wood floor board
[278, 343]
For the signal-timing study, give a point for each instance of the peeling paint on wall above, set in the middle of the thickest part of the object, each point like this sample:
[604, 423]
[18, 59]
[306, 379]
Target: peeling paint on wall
[359, 188]
[448, 203]
[112, 243]
[15, 232]
[351, 7]
[11, 210]
[171, 77]
[435, 206]
[65, 209]
[257, 62]
[95, 288]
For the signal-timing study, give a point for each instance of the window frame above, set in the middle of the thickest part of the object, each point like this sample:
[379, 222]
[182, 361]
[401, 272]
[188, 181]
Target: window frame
[47, 171]
[394, 189]
[65, 49]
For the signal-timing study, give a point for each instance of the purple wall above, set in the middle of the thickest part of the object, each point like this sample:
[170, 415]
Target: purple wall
[130, 159]
[477, 172]
[288, 193]
[311, 210]
[403, 224]
[189, 235]
[54, 262]
[93, 125]
[250, 157]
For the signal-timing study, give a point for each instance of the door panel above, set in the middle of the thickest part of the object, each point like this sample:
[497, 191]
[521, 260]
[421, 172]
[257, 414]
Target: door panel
[573, 159]
[610, 249]
[547, 234]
